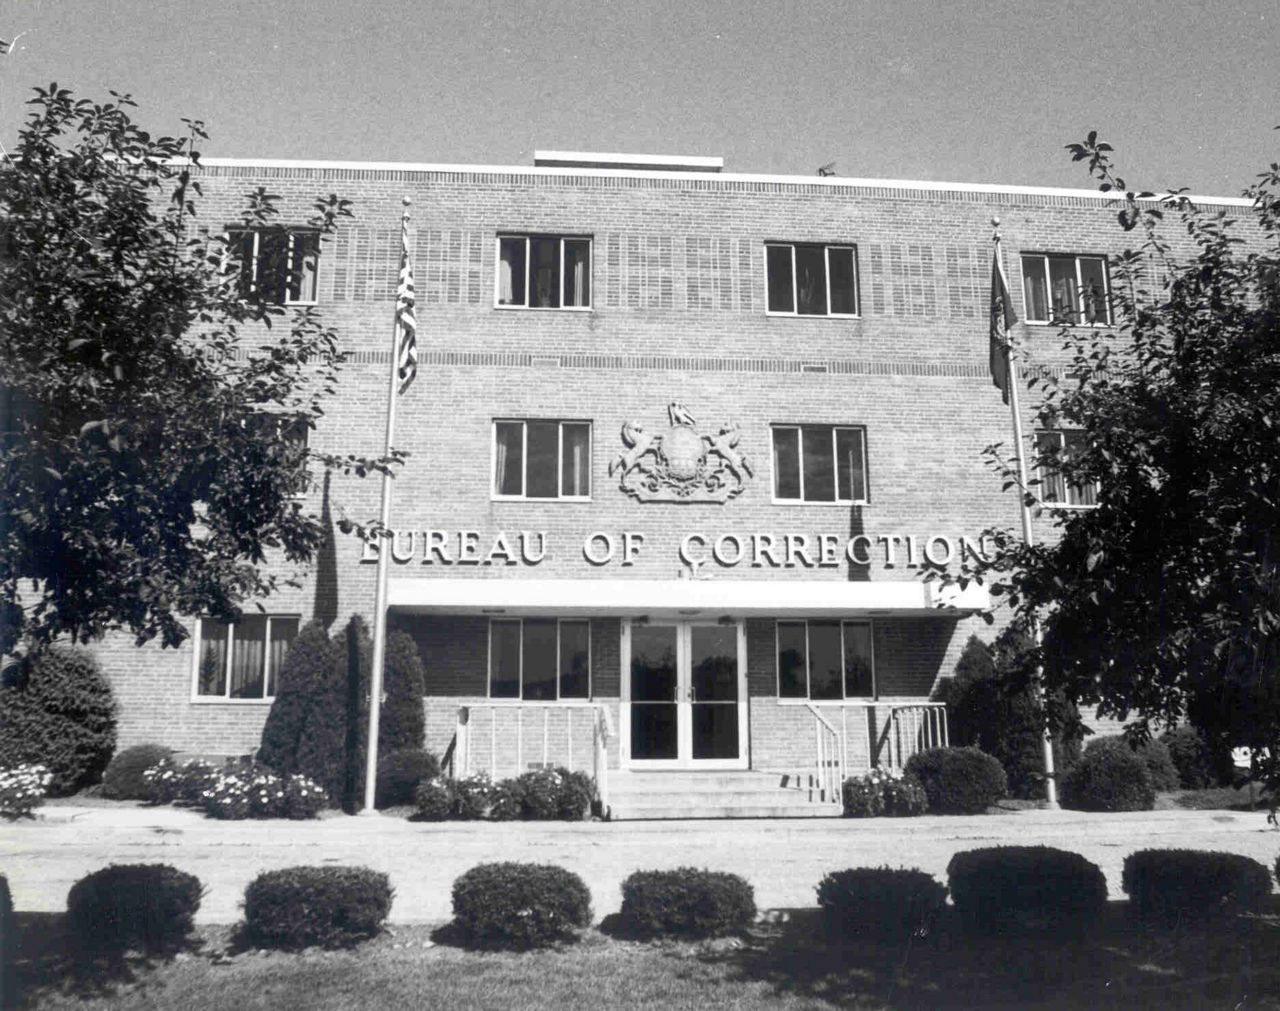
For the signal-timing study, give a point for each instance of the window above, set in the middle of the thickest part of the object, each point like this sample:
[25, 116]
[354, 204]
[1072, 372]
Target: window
[544, 272]
[1051, 448]
[812, 280]
[819, 463]
[539, 659]
[275, 265]
[242, 661]
[1065, 289]
[284, 435]
[825, 660]
[542, 459]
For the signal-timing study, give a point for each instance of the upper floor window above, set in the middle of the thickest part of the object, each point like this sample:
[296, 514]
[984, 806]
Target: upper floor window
[275, 265]
[812, 280]
[242, 660]
[544, 272]
[1052, 447]
[542, 459]
[1065, 289]
[825, 660]
[819, 463]
[539, 659]
[284, 435]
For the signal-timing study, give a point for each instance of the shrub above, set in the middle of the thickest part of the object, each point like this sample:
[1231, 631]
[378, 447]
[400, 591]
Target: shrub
[958, 780]
[881, 792]
[435, 799]
[577, 794]
[520, 905]
[332, 907]
[473, 796]
[168, 782]
[864, 795]
[1109, 779]
[1025, 886]
[399, 774]
[56, 710]
[1154, 754]
[508, 800]
[1191, 756]
[402, 723]
[22, 788]
[124, 780]
[540, 793]
[150, 907]
[880, 902]
[1167, 884]
[687, 902]
[250, 790]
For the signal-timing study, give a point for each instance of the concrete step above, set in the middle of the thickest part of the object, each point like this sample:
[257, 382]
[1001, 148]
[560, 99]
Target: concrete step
[701, 782]
[624, 813]
[651, 798]
[695, 794]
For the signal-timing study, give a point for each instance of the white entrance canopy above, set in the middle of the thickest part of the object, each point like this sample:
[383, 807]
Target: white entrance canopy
[685, 598]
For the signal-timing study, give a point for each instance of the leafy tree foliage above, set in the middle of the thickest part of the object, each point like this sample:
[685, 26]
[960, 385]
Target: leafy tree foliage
[134, 373]
[1163, 602]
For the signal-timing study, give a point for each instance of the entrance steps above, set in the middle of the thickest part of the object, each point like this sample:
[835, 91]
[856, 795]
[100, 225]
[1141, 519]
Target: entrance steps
[684, 794]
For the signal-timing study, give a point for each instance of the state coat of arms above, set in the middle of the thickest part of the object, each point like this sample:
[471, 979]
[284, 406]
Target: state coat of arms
[680, 464]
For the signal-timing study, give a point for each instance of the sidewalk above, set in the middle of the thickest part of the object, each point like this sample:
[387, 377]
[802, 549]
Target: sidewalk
[783, 859]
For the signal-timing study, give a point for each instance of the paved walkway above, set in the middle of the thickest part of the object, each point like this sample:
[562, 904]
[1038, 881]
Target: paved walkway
[783, 859]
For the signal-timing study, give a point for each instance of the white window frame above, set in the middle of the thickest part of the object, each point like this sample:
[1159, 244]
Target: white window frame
[795, 297]
[524, 460]
[231, 234]
[1048, 293]
[560, 238]
[844, 674]
[518, 698]
[1043, 474]
[225, 699]
[283, 420]
[799, 427]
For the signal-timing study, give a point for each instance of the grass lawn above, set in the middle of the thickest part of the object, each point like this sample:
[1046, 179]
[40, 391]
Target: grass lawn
[1233, 964]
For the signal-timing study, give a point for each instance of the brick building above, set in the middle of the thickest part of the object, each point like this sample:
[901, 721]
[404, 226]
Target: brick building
[682, 442]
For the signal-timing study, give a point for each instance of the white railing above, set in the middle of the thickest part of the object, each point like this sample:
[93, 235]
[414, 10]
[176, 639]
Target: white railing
[827, 784]
[912, 727]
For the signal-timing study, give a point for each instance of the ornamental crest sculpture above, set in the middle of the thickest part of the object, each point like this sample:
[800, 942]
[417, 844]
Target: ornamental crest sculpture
[680, 464]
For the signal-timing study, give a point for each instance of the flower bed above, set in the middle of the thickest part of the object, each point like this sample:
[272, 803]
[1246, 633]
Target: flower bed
[539, 795]
[22, 788]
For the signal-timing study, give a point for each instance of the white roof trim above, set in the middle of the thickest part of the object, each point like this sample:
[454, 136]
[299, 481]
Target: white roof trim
[685, 598]
[614, 160]
[793, 180]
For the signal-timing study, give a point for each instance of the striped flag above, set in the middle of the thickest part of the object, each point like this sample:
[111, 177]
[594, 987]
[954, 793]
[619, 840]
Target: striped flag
[1002, 318]
[406, 324]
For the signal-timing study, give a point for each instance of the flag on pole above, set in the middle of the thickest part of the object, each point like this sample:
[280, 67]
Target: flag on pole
[406, 323]
[1002, 318]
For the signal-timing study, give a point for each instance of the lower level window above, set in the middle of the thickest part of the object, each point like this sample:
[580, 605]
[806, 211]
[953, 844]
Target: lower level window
[825, 660]
[539, 659]
[1053, 448]
[242, 660]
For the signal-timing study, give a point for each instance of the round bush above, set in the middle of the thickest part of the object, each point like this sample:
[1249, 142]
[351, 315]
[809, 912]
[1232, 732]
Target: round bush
[332, 907]
[150, 907]
[399, 774]
[576, 793]
[435, 799]
[864, 796]
[958, 780]
[1172, 884]
[520, 905]
[124, 778]
[57, 710]
[999, 887]
[508, 800]
[1108, 779]
[1154, 754]
[1191, 756]
[687, 902]
[880, 902]
[473, 796]
[540, 790]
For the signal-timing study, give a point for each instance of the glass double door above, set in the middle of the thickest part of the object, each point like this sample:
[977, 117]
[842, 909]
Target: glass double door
[684, 696]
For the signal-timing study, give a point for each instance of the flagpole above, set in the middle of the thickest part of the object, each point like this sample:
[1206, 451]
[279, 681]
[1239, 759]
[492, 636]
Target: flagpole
[384, 560]
[1015, 381]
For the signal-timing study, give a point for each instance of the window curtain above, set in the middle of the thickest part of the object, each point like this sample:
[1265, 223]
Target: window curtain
[505, 292]
[213, 657]
[248, 658]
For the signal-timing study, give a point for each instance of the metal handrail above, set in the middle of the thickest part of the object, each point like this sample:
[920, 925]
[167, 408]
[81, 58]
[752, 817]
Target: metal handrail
[829, 760]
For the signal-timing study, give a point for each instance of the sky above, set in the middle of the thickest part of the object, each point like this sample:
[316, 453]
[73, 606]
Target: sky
[1187, 91]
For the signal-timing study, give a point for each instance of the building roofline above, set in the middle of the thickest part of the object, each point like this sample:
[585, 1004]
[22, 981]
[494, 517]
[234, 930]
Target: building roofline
[702, 178]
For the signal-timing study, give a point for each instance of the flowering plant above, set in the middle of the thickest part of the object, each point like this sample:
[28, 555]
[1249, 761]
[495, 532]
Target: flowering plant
[252, 791]
[22, 787]
[171, 783]
[883, 791]
[435, 799]
[474, 795]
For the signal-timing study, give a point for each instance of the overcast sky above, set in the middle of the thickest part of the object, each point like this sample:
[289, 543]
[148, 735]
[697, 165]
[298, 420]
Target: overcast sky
[955, 90]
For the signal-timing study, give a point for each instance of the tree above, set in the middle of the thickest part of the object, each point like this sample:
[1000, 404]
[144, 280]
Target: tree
[1163, 602]
[138, 478]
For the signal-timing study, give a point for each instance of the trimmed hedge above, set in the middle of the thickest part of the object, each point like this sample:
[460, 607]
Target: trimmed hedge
[999, 887]
[958, 780]
[1168, 884]
[687, 902]
[1109, 779]
[150, 907]
[1154, 754]
[1191, 756]
[880, 902]
[57, 710]
[517, 905]
[124, 778]
[399, 774]
[333, 907]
